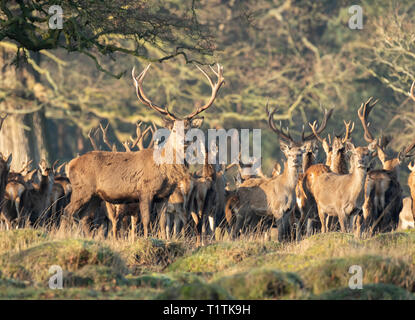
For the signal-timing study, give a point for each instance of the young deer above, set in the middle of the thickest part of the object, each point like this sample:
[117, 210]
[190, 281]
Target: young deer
[131, 177]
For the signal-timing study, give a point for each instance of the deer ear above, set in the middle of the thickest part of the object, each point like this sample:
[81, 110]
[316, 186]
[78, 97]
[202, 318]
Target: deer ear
[349, 146]
[168, 123]
[197, 122]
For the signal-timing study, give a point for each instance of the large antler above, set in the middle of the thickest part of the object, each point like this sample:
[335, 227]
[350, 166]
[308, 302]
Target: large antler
[363, 114]
[285, 136]
[312, 135]
[215, 89]
[138, 81]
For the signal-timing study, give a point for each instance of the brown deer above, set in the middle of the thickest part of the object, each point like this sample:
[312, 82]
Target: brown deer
[336, 161]
[341, 195]
[309, 158]
[383, 192]
[116, 212]
[273, 197]
[39, 196]
[131, 177]
[15, 196]
[203, 198]
[406, 218]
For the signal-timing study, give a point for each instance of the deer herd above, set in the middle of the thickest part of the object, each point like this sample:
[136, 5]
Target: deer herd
[129, 191]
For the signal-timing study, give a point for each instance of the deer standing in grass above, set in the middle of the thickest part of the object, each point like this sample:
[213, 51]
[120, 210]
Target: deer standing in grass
[309, 157]
[131, 177]
[15, 196]
[383, 192]
[341, 195]
[271, 197]
[336, 161]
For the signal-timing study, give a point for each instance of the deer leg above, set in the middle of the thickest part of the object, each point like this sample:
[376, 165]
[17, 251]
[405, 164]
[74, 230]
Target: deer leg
[145, 206]
[110, 210]
[343, 222]
[133, 226]
[168, 225]
[322, 217]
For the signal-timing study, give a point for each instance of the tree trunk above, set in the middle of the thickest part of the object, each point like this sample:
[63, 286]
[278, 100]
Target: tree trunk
[24, 131]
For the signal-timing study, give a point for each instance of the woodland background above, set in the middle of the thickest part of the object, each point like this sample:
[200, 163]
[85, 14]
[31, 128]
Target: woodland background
[299, 55]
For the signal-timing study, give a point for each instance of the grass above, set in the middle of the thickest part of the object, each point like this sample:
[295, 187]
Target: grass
[250, 268]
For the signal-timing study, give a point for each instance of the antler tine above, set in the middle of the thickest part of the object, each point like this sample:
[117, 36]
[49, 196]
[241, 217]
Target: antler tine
[126, 146]
[93, 142]
[363, 114]
[60, 167]
[215, 89]
[326, 117]
[104, 136]
[348, 130]
[138, 82]
[54, 164]
[139, 139]
[408, 149]
[280, 132]
[25, 166]
[411, 93]
[315, 132]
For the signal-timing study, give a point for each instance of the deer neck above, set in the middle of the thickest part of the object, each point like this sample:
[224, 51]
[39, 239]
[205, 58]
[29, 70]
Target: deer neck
[339, 163]
[308, 161]
[290, 175]
[357, 180]
[175, 142]
[45, 184]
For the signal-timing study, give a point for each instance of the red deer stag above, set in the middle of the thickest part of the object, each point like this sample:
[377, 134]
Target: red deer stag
[336, 161]
[131, 177]
[340, 195]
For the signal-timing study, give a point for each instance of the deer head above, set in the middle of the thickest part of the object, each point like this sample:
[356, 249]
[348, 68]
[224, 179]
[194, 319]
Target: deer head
[176, 124]
[293, 149]
[381, 144]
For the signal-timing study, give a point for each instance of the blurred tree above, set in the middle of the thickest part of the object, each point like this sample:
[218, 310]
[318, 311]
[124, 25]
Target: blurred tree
[94, 29]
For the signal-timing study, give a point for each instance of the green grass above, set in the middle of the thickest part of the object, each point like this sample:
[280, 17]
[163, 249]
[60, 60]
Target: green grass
[99, 268]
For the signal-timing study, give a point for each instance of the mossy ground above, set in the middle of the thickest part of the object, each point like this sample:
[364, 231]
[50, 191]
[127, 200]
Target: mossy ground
[99, 268]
